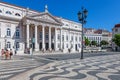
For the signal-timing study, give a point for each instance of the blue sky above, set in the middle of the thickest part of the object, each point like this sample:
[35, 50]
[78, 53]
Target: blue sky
[102, 14]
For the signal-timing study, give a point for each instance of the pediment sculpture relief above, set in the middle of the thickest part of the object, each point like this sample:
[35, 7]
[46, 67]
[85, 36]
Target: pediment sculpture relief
[46, 18]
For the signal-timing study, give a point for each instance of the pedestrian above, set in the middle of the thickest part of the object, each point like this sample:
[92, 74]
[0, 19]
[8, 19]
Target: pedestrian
[2, 53]
[28, 50]
[11, 53]
[7, 54]
[15, 52]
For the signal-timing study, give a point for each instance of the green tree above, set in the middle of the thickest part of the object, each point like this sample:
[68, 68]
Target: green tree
[87, 42]
[116, 39]
[94, 43]
[103, 42]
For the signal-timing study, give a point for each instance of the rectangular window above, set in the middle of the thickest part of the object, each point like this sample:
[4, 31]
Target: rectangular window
[8, 45]
[67, 37]
[52, 37]
[62, 37]
[40, 35]
[58, 37]
[79, 45]
[17, 45]
[63, 46]
[66, 45]
[116, 30]
[76, 38]
[17, 34]
[8, 32]
[71, 38]
[58, 45]
[46, 36]
[79, 38]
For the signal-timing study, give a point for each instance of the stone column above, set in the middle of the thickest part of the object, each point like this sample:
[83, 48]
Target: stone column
[36, 39]
[74, 41]
[64, 40]
[61, 39]
[78, 39]
[43, 38]
[69, 45]
[55, 43]
[28, 36]
[50, 38]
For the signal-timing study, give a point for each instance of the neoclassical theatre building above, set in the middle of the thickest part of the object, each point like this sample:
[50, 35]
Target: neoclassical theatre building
[22, 28]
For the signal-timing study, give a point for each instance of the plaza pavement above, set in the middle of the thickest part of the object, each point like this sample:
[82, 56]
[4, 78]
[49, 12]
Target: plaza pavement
[91, 68]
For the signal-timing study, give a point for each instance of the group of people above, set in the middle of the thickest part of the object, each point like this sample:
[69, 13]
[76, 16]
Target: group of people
[6, 54]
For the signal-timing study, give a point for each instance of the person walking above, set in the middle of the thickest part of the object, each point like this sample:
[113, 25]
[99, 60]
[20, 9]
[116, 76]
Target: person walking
[2, 53]
[11, 53]
[7, 54]
[15, 52]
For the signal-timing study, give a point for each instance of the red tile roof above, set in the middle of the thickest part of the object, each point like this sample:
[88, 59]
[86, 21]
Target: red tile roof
[117, 25]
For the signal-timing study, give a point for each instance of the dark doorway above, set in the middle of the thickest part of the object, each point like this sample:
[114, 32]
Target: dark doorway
[116, 49]
[47, 46]
[52, 46]
[33, 46]
[40, 46]
[76, 47]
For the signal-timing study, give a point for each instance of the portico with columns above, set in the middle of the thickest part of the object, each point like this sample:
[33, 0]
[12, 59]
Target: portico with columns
[44, 32]
[41, 32]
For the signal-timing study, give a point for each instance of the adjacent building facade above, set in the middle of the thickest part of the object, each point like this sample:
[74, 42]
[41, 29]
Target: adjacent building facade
[98, 35]
[22, 28]
[92, 36]
[115, 30]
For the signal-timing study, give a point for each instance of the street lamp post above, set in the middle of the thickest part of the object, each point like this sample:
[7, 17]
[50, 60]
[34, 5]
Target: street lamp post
[82, 18]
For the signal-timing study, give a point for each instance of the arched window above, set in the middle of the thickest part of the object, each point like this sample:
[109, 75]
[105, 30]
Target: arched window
[0, 11]
[8, 32]
[17, 14]
[8, 12]
[17, 33]
[8, 45]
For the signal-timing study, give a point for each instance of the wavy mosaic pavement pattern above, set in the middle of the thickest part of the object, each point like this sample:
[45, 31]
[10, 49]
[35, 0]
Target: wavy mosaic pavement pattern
[94, 68]
[11, 69]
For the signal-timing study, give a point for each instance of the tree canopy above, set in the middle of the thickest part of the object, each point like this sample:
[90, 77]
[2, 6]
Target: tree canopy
[87, 42]
[103, 42]
[116, 39]
[93, 43]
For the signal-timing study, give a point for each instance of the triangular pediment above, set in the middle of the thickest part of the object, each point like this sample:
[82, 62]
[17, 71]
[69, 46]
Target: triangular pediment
[46, 17]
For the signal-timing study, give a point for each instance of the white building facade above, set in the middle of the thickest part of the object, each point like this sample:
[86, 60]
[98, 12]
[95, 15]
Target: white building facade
[21, 29]
[92, 36]
[98, 35]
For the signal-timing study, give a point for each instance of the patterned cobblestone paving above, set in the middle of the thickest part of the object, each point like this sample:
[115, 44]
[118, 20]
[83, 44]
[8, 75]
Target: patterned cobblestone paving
[10, 68]
[94, 68]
